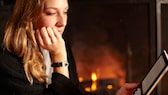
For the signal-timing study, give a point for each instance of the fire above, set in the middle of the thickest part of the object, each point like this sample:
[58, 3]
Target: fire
[109, 87]
[93, 76]
[94, 81]
[80, 79]
[107, 65]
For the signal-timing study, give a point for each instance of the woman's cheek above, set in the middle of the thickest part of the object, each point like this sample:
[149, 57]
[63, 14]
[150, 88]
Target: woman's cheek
[48, 22]
[45, 22]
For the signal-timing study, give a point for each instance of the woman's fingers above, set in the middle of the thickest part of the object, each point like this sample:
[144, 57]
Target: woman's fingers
[45, 37]
[56, 33]
[127, 89]
[39, 38]
[50, 39]
[131, 86]
[51, 35]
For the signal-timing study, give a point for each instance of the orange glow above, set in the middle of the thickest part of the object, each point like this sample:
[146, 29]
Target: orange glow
[94, 76]
[87, 89]
[109, 87]
[94, 83]
[108, 63]
[94, 86]
[80, 79]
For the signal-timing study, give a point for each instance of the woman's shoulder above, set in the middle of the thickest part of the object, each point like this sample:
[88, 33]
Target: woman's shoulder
[5, 53]
[8, 59]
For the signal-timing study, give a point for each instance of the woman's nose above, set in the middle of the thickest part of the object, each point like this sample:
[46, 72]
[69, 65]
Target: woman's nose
[61, 21]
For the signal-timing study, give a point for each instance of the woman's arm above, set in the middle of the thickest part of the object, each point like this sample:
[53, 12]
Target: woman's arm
[51, 40]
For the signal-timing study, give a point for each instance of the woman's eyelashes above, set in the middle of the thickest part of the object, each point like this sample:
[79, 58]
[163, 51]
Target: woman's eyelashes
[51, 13]
[66, 11]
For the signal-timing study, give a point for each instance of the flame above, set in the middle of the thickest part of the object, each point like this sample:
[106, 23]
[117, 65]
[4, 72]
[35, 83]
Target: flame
[106, 61]
[94, 76]
[80, 79]
[109, 87]
[94, 81]
[87, 89]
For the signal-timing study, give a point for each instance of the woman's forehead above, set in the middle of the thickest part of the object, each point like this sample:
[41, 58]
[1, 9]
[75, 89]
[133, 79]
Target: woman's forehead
[56, 3]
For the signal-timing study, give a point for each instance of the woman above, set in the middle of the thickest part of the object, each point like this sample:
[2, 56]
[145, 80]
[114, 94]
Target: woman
[34, 58]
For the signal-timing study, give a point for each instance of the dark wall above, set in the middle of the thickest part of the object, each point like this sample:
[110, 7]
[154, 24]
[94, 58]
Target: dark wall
[5, 12]
[7, 2]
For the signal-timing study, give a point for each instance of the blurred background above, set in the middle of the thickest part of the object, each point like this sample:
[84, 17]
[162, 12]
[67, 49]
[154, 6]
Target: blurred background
[113, 41]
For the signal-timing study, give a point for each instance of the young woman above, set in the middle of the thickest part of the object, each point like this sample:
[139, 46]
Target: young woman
[34, 58]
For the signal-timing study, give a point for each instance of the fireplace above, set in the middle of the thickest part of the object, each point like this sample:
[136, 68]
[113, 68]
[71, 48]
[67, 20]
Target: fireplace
[113, 40]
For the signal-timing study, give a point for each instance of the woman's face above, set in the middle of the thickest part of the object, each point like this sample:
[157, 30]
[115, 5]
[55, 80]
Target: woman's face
[53, 15]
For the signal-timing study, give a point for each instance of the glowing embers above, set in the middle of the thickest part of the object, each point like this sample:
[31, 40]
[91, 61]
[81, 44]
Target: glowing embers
[96, 85]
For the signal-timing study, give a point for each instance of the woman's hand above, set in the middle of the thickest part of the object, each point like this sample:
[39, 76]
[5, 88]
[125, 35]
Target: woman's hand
[51, 40]
[127, 89]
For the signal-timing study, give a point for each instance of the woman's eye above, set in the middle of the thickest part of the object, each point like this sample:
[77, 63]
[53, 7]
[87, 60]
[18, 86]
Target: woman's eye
[50, 13]
[66, 12]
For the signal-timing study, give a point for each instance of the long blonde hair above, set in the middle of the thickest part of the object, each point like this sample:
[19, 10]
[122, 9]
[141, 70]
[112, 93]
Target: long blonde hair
[19, 38]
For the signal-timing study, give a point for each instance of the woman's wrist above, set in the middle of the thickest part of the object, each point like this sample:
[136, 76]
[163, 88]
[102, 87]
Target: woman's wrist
[60, 64]
[61, 67]
[62, 57]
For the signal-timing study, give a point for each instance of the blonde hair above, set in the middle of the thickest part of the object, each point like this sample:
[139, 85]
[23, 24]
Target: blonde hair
[19, 38]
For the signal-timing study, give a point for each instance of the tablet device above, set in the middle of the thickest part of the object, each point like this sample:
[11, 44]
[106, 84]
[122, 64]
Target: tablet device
[154, 75]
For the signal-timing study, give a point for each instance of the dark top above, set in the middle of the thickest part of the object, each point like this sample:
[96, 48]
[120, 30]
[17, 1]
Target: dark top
[13, 80]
